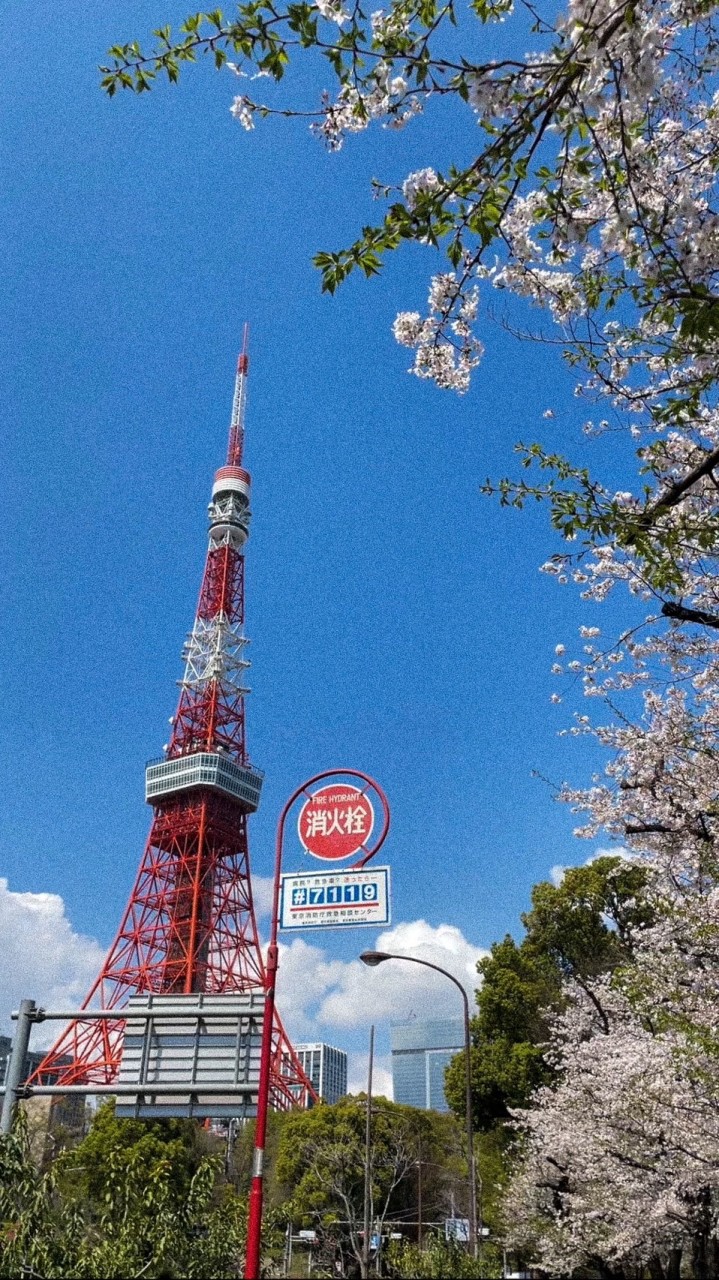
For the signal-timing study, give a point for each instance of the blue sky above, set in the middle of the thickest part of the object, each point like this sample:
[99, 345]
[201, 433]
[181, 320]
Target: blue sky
[398, 621]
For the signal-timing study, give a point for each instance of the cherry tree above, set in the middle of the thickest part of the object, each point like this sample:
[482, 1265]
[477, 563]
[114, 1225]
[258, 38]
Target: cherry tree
[621, 1158]
[620, 1164]
[591, 195]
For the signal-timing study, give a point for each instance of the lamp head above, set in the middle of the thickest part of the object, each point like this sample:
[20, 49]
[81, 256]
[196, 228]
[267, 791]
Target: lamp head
[373, 958]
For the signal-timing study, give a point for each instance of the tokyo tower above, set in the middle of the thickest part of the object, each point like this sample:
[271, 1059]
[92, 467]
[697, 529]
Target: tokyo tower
[190, 926]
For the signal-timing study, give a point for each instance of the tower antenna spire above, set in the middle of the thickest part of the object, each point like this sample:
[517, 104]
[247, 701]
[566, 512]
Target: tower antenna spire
[237, 424]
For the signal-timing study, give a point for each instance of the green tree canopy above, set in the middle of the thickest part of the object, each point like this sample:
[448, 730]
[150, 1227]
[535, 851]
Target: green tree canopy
[115, 1145]
[579, 928]
[134, 1198]
[321, 1161]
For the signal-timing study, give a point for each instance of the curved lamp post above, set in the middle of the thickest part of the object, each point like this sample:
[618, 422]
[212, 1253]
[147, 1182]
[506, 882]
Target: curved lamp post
[372, 959]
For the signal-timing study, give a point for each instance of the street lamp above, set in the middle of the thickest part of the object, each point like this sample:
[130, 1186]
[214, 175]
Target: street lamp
[367, 1157]
[372, 959]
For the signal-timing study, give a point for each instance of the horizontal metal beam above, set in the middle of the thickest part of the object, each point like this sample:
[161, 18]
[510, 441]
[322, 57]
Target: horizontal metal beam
[154, 1012]
[145, 1090]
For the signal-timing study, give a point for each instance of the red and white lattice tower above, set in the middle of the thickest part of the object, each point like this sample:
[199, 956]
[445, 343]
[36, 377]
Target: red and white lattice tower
[190, 923]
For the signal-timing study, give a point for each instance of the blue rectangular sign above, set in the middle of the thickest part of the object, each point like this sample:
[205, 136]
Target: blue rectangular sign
[335, 899]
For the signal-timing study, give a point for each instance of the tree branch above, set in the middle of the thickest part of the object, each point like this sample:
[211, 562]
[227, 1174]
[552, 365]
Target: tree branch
[674, 492]
[670, 609]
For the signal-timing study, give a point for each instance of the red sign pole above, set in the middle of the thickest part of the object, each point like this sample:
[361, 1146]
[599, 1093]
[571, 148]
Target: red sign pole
[254, 1213]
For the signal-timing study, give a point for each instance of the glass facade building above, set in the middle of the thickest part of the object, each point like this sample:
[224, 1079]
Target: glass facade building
[420, 1053]
[65, 1112]
[326, 1068]
[32, 1060]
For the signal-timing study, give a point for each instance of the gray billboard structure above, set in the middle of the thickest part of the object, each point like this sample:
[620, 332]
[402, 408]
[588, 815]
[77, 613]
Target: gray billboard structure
[196, 1055]
[218, 1046]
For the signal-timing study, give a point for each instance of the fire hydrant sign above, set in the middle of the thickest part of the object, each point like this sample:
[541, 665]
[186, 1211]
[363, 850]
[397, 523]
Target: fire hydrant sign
[335, 899]
[335, 822]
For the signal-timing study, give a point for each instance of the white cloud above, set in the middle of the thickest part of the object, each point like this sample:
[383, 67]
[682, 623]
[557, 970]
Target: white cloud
[558, 871]
[316, 991]
[381, 1075]
[319, 997]
[306, 975]
[262, 888]
[398, 990]
[44, 959]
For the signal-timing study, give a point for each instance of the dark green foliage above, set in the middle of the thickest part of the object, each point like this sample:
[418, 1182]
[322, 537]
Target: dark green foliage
[587, 925]
[583, 927]
[113, 1146]
[147, 1200]
[321, 1159]
[38, 1232]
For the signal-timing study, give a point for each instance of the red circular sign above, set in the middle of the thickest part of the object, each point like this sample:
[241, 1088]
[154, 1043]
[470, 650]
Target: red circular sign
[335, 822]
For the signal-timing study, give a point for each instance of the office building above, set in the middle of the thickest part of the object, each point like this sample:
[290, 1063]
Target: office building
[421, 1051]
[45, 1115]
[32, 1060]
[326, 1068]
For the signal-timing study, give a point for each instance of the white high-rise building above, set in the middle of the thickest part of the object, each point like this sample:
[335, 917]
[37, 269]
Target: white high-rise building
[326, 1067]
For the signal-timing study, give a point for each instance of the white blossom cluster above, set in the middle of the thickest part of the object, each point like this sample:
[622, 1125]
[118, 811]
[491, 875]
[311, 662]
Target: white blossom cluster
[423, 181]
[593, 191]
[243, 110]
[332, 11]
[649, 175]
[447, 360]
[383, 96]
[680, 538]
[635, 165]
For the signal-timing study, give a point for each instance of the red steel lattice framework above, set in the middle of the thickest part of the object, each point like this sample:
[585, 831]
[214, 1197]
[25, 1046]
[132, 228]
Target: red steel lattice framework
[190, 923]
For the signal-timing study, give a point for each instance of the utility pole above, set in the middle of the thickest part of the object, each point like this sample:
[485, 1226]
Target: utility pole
[367, 1159]
[16, 1063]
[230, 1145]
[419, 1197]
[288, 1250]
[373, 958]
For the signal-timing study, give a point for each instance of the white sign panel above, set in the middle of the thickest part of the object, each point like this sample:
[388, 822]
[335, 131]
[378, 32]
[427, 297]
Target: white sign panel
[335, 899]
[457, 1229]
